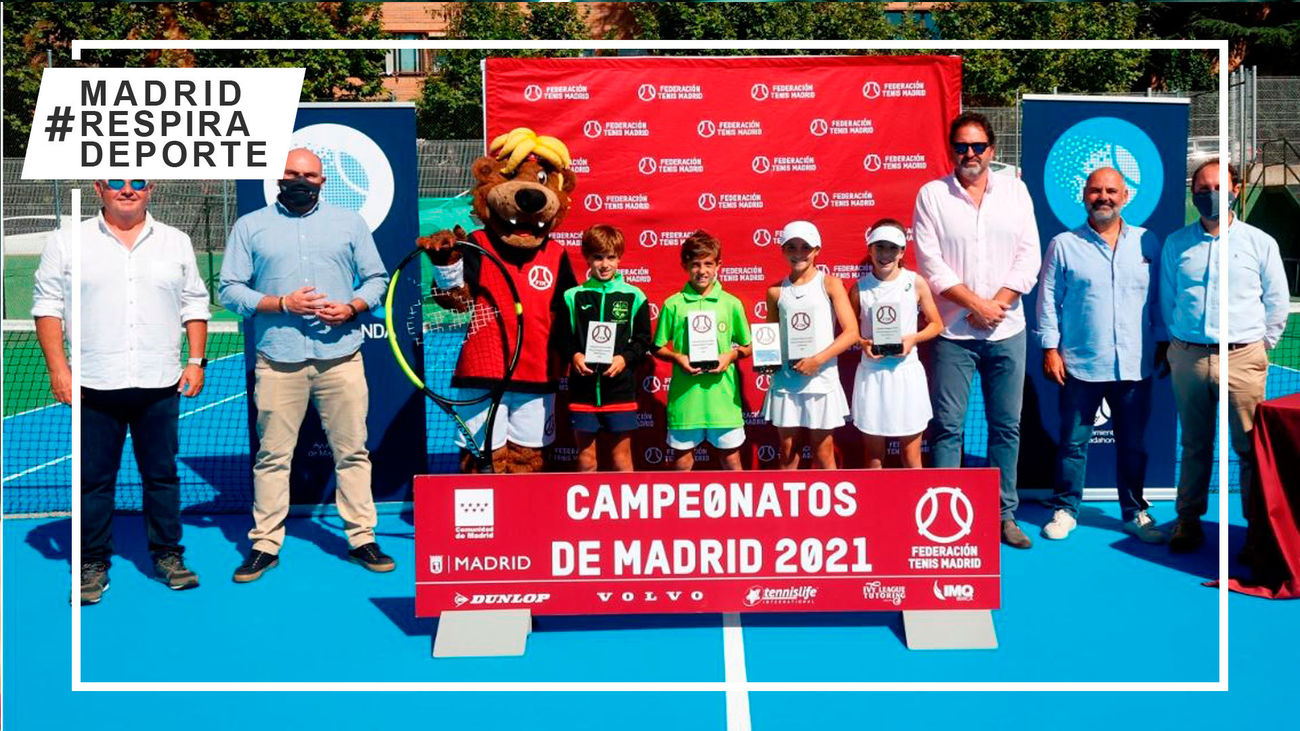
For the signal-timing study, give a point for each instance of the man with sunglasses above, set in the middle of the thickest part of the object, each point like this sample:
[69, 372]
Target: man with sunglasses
[140, 286]
[303, 269]
[977, 244]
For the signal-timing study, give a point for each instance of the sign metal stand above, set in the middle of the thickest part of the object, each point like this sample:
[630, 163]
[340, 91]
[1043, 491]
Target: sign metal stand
[483, 633]
[949, 629]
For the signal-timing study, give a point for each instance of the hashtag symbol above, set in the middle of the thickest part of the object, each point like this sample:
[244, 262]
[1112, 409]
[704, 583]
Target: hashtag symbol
[60, 123]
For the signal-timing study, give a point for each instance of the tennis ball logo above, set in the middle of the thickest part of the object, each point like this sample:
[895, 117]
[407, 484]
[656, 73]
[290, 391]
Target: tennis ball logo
[357, 173]
[1103, 142]
[958, 515]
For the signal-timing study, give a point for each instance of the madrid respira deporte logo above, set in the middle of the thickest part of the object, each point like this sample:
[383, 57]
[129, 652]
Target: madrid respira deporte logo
[952, 506]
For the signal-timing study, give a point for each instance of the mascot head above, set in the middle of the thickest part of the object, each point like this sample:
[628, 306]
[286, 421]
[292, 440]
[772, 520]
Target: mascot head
[523, 187]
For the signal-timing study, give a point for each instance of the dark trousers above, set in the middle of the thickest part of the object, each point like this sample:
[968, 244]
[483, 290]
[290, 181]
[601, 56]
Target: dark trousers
[151, 414]
[1130, 405]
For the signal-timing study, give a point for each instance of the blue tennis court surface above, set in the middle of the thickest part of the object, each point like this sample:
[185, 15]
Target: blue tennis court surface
[1098, 607]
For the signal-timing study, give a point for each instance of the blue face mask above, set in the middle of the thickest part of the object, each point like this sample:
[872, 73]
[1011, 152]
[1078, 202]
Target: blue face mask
[1207, 203]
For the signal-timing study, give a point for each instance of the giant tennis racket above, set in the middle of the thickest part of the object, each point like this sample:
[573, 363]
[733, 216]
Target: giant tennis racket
[455, 345]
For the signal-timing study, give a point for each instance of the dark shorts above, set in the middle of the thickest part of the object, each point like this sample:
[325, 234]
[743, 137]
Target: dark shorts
[608, 421]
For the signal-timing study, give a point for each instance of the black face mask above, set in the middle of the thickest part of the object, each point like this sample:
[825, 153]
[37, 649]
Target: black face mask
[298, 195]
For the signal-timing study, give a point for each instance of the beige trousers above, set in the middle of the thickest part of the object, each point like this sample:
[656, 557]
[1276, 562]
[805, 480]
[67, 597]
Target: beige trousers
[338, 389]
[1195, 374]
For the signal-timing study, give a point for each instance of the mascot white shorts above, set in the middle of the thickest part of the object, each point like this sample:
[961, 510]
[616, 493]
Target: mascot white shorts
[525, 419]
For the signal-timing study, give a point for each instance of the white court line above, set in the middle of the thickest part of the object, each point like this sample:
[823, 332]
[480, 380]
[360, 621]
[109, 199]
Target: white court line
[733, 653]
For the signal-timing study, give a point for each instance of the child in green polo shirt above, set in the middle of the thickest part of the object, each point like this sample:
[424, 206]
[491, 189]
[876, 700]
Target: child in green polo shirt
[704, 404]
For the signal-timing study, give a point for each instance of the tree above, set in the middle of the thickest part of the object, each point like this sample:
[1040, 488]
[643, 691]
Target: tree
[993, 77]
[450, 104]
[1264, 35]
[33, 30]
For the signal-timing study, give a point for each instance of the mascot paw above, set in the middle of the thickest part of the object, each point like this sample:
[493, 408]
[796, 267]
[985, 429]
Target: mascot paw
[441, 245]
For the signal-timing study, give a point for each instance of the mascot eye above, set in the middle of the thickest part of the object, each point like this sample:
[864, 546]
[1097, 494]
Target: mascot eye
[541, 177]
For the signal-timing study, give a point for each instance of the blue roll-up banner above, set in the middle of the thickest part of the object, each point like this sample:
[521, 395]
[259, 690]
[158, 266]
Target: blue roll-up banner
[1063, 139]
[369, 161]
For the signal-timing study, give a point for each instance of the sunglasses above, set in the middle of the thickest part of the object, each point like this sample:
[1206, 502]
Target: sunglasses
[978, 147]
[136, 185]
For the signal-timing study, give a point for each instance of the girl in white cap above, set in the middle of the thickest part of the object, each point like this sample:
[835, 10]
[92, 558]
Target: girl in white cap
[805, 401]
[891, 398]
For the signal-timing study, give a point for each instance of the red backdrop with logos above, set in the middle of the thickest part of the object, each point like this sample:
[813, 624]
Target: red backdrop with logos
[738, 146]
[597, 543]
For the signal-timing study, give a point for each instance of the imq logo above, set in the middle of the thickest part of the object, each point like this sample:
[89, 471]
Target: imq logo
[532, 92]
[593, 202]
[706, 128]
[647, 166]
[818, 127]
[871, 89]
[591, 128]
[759, 92]
[646, 92]
[820, 200]
[707, 201]
[959, 592]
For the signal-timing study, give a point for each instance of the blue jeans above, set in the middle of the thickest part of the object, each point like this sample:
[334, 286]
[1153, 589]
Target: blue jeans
[1130, 406]
[152, 415]
[1001, 365]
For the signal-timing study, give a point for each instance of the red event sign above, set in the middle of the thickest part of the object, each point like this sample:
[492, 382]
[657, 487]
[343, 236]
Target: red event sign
[738, 146]
[669, 542]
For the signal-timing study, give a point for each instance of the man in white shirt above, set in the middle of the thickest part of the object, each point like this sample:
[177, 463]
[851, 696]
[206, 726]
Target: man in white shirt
[977, 245]
[139, 285]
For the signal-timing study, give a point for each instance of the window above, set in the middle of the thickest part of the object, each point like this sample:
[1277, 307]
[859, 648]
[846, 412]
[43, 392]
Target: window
[407, 61]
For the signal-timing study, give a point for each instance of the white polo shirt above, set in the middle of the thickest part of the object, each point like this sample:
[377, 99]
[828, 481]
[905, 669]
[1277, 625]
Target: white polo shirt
[134, 301]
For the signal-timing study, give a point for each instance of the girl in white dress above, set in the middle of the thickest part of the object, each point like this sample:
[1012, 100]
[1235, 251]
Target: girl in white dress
[805, 401]
[891, 398]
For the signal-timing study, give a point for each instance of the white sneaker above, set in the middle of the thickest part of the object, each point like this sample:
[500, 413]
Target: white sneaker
[1144, 527]
[1060, 527]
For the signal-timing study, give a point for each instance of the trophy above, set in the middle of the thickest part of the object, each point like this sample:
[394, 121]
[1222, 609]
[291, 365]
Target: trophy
[800, 338]
[702, 339]
[600, 343]
[886, 330]
[767, 346]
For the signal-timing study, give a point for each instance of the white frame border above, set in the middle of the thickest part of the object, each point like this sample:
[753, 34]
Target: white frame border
[734, 685]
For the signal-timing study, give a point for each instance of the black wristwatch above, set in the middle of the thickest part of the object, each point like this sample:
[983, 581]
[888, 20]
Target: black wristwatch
[200, 362]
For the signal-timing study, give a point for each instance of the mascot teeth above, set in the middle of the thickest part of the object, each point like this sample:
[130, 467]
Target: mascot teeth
[514, 222]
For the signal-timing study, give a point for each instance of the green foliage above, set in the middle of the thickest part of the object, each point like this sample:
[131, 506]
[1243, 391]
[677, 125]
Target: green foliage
[993, 77]
[450, 104]
[33, 29]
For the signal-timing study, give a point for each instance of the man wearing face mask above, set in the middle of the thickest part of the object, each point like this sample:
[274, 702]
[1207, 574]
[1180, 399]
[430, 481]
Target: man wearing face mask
[1098, 324]
[303, 269]
[1189, 301]
[977, 245]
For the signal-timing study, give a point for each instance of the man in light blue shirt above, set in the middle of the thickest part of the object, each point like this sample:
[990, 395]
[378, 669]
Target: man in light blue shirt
[303, 270]
[1258, 301]
[1098, 324]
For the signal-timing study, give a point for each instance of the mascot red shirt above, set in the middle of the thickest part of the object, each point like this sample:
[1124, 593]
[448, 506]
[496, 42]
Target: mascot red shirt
[521, 195]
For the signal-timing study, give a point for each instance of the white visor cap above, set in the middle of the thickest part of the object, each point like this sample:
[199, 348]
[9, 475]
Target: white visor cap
[889, 234]
[802, 230]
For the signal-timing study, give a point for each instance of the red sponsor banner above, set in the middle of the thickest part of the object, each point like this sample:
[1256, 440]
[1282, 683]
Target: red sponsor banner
[614, 543]
[738, 146]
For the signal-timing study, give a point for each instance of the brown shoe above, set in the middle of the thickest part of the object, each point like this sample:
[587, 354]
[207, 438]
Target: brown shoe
[1187, 536]
[1013, 536]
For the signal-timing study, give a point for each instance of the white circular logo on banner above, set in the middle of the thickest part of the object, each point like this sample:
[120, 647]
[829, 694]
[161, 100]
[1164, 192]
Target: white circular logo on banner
[759, 92]
[871, 90]
[763, 381]
[647, 166]
[706, 128]
[654, 455]
[824, 269]
[818, 127]
[593, 202]
[649, 239]
[651, 384]
[760, 309]
[646, 92]
[532, 92]
[871, 162]
[591, 128]
[357, 173]
[708, 201]
[762, 237]
[820, 200]
[959, 507]
[761, 164]
[654, 311]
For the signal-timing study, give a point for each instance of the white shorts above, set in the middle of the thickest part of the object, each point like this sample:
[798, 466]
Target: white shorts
[806, 410]
[720, 438]
[525, 419]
